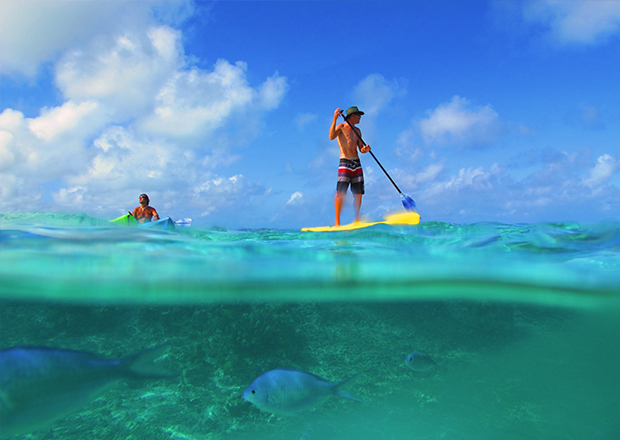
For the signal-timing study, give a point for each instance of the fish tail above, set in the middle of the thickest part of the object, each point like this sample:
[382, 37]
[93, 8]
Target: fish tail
[346, 395]
[140, 365]
[342, 392]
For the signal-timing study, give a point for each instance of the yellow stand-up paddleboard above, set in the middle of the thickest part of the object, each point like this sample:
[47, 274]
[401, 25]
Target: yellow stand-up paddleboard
[406, 218]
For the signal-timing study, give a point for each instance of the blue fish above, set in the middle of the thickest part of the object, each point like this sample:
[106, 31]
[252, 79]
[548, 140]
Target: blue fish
[420, 362]
[287, 392]
[41, 385]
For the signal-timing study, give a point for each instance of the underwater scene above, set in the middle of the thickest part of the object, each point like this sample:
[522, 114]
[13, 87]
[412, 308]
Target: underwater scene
[435, 331]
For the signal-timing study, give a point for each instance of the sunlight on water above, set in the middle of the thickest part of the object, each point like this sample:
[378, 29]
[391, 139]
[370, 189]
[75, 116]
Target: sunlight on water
[522, 321]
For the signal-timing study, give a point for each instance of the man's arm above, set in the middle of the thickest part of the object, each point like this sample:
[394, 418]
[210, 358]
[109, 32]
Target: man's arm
[363, 148]
[333, 129]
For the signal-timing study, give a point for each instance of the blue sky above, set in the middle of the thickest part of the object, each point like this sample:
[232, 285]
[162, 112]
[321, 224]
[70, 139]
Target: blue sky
[502, 111]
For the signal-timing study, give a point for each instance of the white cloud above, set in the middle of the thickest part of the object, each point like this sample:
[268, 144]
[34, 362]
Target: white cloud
[470, 177]
[121, 157]
[123, 74]
[28, 161]
[220, 185]
[430, 173]
[465, 181]
[304, 119]
[374, 93]
[553, 185]
[70, 197]
[232, 193]
[136, 119]
[34, 31]
[11, 125]
[6, 155]
[195, 103]
[551, 192]
[126, 164]
[457, 123]
[605, 168]
[70, 118]
[295, 198]
[575, 21]
[272, 91]
[51, 144]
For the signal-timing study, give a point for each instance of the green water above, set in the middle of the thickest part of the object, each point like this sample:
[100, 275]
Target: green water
[523, 320]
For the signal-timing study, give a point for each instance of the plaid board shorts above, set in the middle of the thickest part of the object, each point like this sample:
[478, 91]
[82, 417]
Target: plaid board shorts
[350, 172]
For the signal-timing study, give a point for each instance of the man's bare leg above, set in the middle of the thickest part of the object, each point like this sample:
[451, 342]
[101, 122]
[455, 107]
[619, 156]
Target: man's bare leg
[338, 202]
[358, 205]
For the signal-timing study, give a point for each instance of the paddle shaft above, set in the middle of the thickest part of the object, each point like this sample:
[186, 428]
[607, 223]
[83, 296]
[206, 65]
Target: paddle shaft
[373, 156]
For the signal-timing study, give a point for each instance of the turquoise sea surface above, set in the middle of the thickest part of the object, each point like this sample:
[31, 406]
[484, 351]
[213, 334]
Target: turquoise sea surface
[522, 320]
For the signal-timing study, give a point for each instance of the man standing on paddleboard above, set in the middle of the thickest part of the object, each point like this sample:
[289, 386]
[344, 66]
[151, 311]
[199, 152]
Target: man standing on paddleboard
[350, 169]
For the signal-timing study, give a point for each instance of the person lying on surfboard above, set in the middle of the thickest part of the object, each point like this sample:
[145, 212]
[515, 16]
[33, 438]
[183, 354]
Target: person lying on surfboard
[145, 213]
[350, 169]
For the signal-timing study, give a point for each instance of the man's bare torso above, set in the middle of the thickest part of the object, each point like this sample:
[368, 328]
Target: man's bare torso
[347, 141]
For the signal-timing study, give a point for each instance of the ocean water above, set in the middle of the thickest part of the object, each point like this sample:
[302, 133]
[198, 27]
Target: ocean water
[522, 320]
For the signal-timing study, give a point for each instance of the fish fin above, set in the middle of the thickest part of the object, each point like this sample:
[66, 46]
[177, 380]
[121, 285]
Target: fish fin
[346, 395]
[341, 392]
[140, 365]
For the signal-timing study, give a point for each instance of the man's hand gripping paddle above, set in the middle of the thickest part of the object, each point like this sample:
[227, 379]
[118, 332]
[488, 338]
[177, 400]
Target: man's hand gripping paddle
[408, 202]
